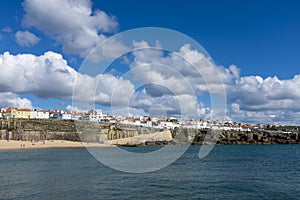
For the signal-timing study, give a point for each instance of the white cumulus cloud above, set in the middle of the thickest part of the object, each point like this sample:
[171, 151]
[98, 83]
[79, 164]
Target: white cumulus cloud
[26, 39]
[9, 99]
[49, 76]
[175, 80]
[103, 89]
[72, 23]
[250, 98]
[181, 70]
[265, 100]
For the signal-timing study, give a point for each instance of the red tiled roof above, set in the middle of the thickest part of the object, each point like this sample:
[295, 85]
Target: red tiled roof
[23, 109]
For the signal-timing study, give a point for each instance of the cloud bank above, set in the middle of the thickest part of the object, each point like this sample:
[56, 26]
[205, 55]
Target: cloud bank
[250, 98]
[49, 76]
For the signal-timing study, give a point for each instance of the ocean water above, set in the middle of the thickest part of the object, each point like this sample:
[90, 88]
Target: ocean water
[228, 172]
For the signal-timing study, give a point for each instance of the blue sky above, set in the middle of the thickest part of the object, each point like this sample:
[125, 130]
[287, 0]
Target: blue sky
[261, 38]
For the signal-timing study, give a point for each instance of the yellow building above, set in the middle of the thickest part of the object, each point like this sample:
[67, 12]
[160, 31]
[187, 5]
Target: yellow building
[23, 113]
[18, 113]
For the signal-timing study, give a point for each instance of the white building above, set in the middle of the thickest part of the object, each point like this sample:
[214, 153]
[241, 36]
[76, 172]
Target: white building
[2, 112]
[66, 116]
[95, 115]
[78, 115]
[40, 114]
[202, 124]
[168, 125]
[149, 124]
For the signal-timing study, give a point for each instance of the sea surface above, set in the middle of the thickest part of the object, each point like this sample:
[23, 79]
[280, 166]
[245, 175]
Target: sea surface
[228, 172]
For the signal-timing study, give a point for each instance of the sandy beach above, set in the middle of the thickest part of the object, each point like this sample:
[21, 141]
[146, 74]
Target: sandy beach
[18, 145]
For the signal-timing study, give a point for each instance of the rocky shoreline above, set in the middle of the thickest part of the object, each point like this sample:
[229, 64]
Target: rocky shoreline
[251, 137]
[106, 133]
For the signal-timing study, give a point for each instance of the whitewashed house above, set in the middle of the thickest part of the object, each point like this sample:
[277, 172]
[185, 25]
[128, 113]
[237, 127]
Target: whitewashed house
[95, 115]
[2, 113]
[168, 125]
[66, 116]
[40, 114]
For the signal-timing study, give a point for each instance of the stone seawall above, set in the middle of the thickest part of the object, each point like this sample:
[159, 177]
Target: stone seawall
[37, 130]
[164, 136]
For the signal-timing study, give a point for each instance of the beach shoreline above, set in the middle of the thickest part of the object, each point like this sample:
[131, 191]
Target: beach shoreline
[23, 145]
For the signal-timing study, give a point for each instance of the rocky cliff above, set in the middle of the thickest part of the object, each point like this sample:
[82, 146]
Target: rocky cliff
[38, 130]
